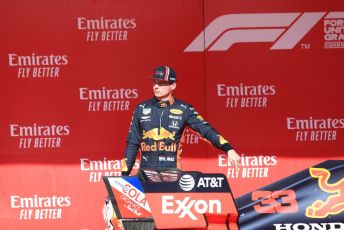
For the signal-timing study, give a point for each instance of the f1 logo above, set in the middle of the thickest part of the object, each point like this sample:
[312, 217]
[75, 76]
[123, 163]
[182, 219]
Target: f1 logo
[284, 29]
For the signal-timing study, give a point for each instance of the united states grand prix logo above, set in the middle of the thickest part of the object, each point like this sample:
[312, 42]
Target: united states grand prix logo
[285, 30]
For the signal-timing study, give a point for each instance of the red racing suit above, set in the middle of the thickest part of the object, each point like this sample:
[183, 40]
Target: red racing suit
[157, 129]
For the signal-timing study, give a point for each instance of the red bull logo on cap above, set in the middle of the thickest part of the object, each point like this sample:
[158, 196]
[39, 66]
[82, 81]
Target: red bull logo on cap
[334, 204]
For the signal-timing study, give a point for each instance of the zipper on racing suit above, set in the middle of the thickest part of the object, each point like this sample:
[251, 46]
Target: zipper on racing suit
[162, 113]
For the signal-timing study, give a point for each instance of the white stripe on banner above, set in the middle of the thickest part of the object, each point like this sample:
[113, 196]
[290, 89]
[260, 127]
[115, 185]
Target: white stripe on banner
[335, 15]
[167, 73]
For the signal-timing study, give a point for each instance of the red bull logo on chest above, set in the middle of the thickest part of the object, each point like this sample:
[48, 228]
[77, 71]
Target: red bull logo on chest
[158, 134]
[158, 146]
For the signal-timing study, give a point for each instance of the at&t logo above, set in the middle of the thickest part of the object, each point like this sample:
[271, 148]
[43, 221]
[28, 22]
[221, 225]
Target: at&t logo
[187, 182]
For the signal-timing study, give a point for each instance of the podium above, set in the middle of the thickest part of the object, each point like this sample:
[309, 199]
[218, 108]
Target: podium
[194, 200]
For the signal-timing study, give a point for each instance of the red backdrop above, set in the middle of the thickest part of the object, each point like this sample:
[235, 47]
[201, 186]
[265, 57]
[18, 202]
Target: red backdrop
[267, 75]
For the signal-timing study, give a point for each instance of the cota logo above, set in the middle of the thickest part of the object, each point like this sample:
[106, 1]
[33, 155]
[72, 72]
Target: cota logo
[334, 204]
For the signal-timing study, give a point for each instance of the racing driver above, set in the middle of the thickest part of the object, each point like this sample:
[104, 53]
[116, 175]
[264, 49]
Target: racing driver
[157, 129]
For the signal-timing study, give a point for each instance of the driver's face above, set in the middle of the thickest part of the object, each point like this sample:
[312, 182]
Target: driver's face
[162, 89]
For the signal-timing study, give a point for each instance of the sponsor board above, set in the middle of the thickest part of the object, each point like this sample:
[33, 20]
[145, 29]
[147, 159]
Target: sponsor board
[107, 99]
[40, 207]
[189, 201]
[104, 29]
[98, 168]
[245, 96]
[38, 66]
[39, 136]
[250, 166]
[313, 129]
